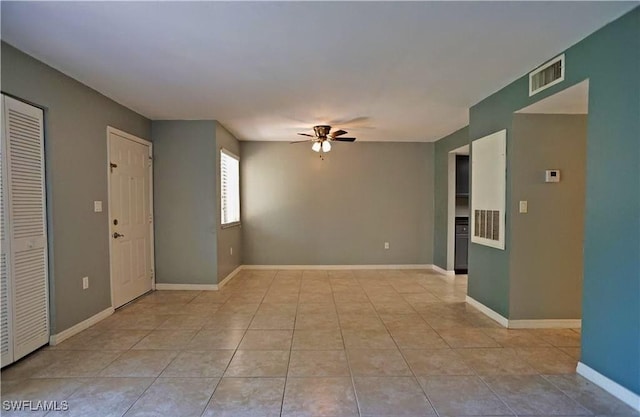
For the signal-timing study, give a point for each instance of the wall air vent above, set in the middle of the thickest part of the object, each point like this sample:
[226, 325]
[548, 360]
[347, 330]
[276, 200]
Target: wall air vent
[551, 73]
[487, 224]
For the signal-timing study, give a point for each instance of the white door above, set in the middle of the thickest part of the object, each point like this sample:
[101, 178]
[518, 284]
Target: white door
[25, 308]
[130, 216]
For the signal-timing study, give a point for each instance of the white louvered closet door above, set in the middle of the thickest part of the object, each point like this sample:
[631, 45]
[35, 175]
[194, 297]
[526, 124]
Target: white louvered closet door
[26, 231]
[6, 319]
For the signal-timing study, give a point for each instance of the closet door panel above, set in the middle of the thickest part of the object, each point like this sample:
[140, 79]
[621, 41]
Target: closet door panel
[6, 344]
[27, 211]
[31, 327]
[6, 320]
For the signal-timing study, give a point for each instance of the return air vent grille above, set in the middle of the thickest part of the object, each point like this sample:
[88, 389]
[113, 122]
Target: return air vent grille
[487, 224]
[551, 73]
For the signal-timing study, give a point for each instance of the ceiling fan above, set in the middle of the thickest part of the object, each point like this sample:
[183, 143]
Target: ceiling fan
[323, 138]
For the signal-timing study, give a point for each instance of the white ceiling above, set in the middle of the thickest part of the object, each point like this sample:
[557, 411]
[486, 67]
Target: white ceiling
[397, 71]
[572, 100]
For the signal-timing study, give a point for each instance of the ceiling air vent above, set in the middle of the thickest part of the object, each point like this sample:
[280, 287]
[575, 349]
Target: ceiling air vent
[551, 73]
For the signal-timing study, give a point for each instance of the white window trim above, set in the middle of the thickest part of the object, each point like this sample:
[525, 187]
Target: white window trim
[236, 157]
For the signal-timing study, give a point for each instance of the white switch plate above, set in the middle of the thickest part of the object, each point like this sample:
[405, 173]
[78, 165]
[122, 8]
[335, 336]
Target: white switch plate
[231, 250]
[97, 206]
[523, 206]
[85, 283]
[386, 245]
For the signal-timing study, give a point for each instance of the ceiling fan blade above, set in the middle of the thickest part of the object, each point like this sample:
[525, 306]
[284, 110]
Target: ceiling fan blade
[344, 139]
[302, 141]
[306, 134]
[338, 133]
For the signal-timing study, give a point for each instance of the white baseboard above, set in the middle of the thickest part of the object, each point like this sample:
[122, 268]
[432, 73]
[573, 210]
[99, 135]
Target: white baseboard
[501, 320]
[55, 339]
[524, 324]
[612, 387]
[213, 287]
[229, 277]
[200, 287]
[225, 281]
[338, 267]
[546, 324]
[442, 271]
[187, 287]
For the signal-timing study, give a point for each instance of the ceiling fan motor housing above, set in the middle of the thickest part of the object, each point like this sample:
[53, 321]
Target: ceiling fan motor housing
[322, 131]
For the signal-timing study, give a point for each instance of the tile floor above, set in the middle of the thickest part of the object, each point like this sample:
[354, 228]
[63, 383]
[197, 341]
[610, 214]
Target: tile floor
[311, 344]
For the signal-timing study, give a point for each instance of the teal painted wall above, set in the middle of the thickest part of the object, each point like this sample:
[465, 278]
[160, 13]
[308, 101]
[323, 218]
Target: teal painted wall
[184, 201]
[441, 188]
[489, 267]
[610, 59]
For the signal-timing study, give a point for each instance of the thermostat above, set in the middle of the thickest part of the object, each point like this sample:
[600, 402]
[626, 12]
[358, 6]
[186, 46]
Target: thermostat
[552, 175]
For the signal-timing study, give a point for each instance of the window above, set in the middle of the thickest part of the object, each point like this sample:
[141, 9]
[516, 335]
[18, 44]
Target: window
[229, 188]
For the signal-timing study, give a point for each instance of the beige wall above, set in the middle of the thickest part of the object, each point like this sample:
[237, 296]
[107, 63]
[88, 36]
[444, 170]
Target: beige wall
[546, 265]
[299, 209]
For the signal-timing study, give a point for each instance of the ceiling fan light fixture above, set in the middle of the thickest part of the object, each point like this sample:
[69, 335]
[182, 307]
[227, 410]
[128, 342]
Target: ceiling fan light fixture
[321, 141]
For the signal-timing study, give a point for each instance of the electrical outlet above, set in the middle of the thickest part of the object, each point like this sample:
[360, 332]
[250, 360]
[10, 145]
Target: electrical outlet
[386, 245]
[85, 283]
[231, 250]
[524, 206]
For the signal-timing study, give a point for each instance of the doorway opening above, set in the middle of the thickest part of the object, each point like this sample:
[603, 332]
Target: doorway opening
[458, 211]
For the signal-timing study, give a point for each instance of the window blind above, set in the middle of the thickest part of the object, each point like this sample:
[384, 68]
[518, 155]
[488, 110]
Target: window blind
[229, 188]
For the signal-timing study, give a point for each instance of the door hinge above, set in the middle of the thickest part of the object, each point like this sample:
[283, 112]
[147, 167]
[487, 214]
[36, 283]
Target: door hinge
[151, 276]
[150, 219]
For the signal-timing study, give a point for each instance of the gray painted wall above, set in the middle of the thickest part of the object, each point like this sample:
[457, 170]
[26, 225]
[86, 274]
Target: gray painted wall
[76, 120]
[185, 206]
[546, 265]
[230, 237]
[299, 209]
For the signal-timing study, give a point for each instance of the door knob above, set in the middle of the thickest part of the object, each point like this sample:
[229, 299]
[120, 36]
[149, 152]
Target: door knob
[117, 235]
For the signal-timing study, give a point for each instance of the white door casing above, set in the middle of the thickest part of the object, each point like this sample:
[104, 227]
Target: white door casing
[25, 297]
[130, 216]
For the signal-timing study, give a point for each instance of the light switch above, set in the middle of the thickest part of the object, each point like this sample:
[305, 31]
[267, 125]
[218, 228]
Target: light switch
[523, 206]
[97, 206]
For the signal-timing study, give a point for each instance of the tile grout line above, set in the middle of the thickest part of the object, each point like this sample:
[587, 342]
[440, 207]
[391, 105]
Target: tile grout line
[111, 362]
[565, 393]
[204, 410]
[155, 379]
[295, 317]
[346, 354]
[496, 394]
[234, 352]
[361, 283]
[415, 378]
